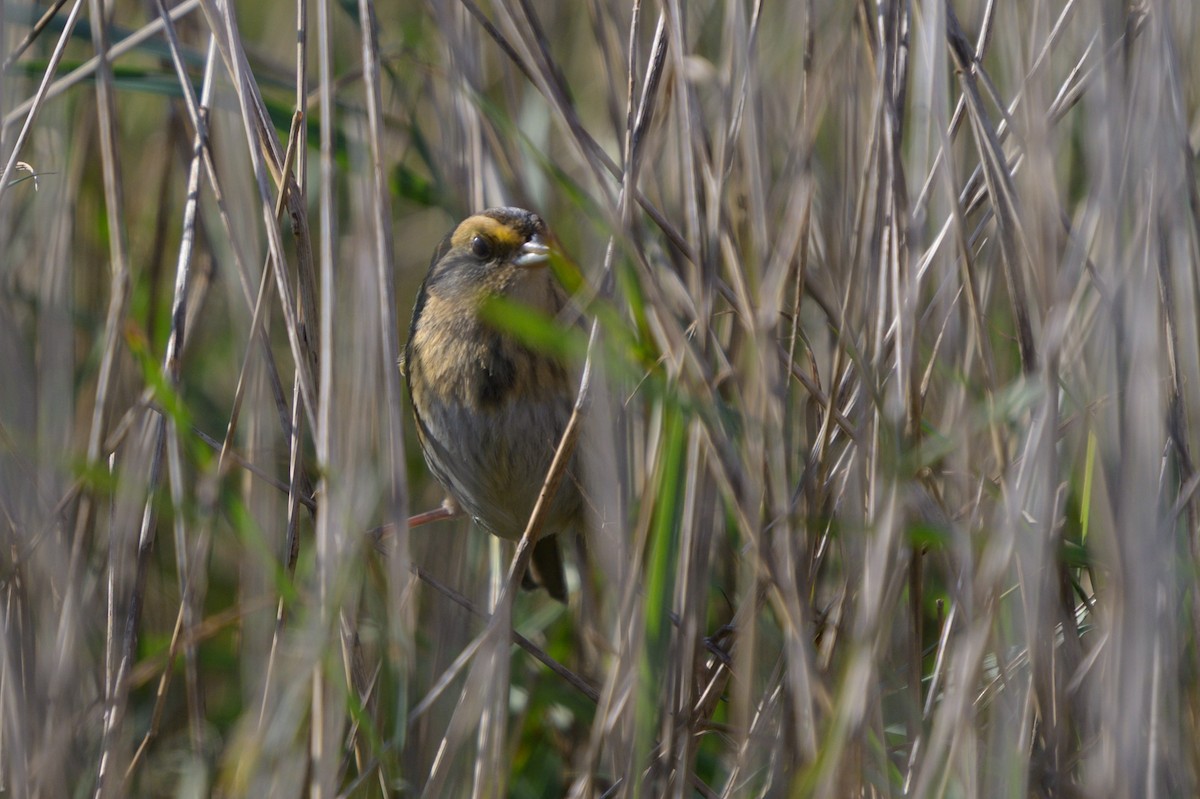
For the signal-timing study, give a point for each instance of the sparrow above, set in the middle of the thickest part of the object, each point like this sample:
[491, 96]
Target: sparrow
[490, 410]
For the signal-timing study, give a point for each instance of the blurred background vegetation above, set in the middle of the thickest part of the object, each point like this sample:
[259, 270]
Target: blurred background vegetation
[888, 440]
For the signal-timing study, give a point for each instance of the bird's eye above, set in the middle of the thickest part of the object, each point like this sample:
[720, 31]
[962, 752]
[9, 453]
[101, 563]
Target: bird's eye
[481, 248]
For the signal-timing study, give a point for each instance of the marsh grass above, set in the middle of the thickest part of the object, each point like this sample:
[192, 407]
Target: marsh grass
[886, 424]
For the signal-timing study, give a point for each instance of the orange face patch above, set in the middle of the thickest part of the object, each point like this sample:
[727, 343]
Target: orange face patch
[502, 237]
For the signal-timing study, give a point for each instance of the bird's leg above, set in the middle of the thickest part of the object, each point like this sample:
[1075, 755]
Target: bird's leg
[449, 510]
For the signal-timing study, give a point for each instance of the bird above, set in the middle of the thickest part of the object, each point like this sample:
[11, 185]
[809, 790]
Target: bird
[490, 410]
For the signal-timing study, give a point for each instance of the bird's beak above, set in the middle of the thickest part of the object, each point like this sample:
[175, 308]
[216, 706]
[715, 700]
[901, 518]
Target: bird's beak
[532, 252]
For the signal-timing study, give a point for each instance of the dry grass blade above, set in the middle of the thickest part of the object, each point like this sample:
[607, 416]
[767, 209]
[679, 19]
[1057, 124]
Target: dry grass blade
[996, 175]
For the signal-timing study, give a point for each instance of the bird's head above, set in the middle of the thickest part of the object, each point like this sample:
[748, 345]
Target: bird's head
[498, 252]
